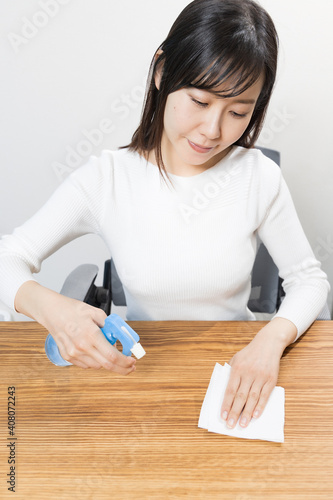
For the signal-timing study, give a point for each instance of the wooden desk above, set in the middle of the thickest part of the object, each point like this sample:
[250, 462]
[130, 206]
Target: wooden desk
[92, 434]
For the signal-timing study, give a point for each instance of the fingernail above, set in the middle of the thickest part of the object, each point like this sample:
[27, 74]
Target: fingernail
[243, 422]
[230, 423]
[256, 414]
[225, 415]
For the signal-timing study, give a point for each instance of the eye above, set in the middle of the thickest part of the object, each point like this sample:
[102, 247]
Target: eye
[199, 103]
[238, 115]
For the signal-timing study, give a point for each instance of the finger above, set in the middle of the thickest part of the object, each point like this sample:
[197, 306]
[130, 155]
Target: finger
[238, 404]
[99, 317]
[110, 354]
[110, 364]
[65, 351]
[229, 395]
[252, 400]
[96, 361]
[78, 353]
[264, 396]
[78, 363]
[83, 354]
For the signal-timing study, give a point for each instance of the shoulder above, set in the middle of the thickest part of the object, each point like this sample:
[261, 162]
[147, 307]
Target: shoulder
[105, 167]
[258, 178]
[256, 160]
[255, 166]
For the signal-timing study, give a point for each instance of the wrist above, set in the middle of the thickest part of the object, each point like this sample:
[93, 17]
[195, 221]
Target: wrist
[280, 330]
[33, 300]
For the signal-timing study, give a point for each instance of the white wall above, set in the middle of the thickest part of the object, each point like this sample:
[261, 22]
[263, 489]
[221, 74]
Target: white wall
[84, 67]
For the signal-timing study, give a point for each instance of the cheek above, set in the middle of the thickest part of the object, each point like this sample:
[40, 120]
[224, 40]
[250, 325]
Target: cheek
[178, 118]
[184, 117]
[238, 127]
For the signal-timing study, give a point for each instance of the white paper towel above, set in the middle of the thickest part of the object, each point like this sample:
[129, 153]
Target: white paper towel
[269, 426]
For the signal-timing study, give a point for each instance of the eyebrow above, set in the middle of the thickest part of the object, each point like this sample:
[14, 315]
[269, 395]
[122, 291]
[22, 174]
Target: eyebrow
[246, 101]
[237, 101]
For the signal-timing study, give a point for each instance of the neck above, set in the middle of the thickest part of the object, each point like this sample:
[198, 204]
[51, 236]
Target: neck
[184, 169]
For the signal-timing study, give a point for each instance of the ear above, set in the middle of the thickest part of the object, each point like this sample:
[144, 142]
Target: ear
[159, 70]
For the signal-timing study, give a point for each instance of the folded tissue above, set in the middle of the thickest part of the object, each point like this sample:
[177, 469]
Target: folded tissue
[269, 426]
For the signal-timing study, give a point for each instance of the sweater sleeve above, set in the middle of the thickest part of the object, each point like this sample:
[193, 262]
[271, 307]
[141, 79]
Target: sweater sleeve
[73, 210]
[305, 284]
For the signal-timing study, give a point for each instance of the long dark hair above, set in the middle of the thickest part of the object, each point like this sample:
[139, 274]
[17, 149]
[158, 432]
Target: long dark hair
[211, 42]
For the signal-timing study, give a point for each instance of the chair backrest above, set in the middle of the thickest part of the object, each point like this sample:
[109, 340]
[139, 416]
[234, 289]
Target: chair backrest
[117, 291]
[266, 287]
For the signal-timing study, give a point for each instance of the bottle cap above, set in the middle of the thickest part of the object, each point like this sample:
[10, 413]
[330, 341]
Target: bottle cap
[138, 350]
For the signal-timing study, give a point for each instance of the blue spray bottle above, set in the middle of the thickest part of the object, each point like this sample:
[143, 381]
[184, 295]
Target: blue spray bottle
[115, 328]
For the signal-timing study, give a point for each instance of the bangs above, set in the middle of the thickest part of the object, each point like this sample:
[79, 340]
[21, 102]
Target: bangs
[235, 77]
[232, 61]
[225, 50]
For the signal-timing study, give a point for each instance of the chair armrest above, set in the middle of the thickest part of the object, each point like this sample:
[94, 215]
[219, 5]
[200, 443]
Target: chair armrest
[117, 291]
[80, 285]
[79, 282]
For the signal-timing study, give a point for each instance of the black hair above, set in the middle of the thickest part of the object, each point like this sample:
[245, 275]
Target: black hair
[211, 42]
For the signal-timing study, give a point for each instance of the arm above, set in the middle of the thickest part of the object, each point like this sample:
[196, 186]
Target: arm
[305, 284]
[67, 215]
[74, 209]
[255, 369]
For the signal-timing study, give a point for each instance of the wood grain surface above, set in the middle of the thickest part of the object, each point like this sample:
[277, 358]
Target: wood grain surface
[92, 434]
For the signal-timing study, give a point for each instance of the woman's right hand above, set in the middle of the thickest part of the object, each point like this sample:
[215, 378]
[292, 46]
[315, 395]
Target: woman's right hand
[75, 326]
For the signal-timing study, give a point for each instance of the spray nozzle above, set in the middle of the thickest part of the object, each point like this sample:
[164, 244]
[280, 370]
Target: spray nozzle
[115, 328]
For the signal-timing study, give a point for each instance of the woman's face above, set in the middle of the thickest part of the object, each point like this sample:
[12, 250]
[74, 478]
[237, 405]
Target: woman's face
[200, 127]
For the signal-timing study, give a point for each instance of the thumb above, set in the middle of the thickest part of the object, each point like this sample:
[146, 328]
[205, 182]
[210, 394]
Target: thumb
[99, 317]
[231, 361]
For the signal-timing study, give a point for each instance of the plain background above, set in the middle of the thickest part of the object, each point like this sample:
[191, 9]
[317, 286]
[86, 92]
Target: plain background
[70, 68]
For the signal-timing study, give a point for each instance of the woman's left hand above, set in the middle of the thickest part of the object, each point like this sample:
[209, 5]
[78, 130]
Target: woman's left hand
[254, 372]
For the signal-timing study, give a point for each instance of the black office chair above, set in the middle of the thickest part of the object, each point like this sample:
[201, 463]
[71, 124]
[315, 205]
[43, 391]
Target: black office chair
[266, 286]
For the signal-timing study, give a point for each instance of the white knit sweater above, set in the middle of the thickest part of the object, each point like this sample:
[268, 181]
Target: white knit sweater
[182, 253]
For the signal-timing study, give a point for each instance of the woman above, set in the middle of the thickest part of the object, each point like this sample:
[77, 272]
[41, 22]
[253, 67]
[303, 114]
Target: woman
[181, 206]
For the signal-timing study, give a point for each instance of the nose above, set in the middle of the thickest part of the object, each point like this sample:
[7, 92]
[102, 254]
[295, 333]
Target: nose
[211, 125]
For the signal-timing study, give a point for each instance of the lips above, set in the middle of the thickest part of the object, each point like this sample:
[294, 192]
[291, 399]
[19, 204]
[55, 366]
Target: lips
[198, 148]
